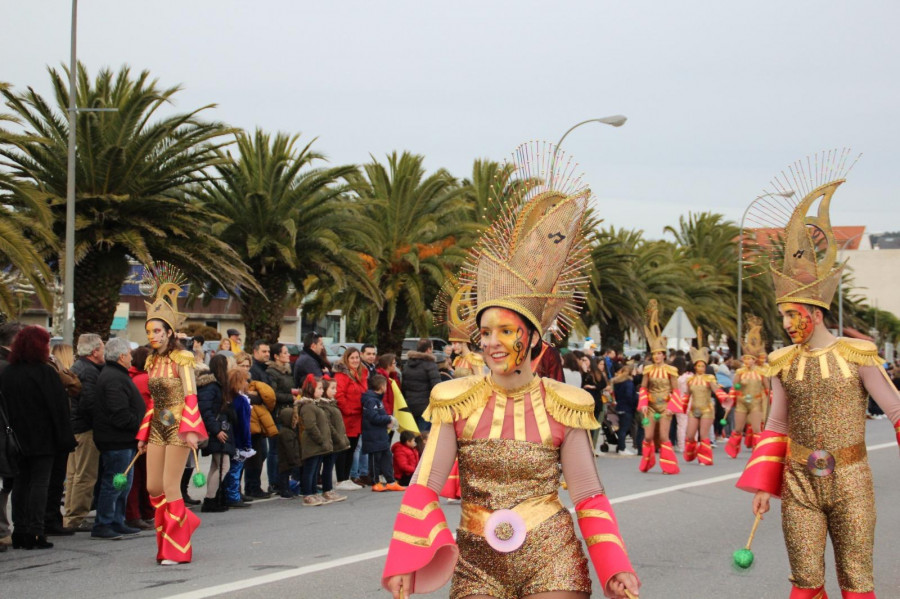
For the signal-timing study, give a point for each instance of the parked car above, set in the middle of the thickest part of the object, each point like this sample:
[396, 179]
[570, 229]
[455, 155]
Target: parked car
[335, 351]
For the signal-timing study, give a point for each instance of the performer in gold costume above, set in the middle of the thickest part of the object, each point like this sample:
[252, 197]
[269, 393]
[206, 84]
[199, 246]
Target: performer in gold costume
[702, 408]
[512, 431]
[658, 399]
[172, 427]
[813, 452]
[750, 391]
[467, 362]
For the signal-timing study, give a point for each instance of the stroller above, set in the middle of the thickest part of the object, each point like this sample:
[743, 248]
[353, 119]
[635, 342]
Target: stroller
[607, 435]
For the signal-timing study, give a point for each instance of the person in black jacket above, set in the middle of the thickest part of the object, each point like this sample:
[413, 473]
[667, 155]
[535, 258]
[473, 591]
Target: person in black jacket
[8, 332]
[310, 359]
[35, 402]
[626, 406]
[375, 421]
[81, 471]
[420, 375]
[117, 413]
[220, 420]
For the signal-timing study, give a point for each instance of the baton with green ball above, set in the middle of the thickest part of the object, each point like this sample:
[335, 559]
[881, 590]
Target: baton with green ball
[743, 558]
[120, 481]
[199, 479]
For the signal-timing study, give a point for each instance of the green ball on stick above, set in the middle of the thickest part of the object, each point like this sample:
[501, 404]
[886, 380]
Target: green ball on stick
[657, 416]
[743, 558]
[724, 421]
[120, 481]
[737, 385]
[199, 479]
[645, 421]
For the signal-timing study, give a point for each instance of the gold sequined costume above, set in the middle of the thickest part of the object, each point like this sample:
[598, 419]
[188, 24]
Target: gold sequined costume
[752, 396]
[168, 391]
[700, 388]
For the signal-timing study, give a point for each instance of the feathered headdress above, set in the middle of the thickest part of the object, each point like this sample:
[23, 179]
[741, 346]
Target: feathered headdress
[808, 273]
[532, 259]
[652, 330]
[699, 354]
[163, 281]
[753, 339]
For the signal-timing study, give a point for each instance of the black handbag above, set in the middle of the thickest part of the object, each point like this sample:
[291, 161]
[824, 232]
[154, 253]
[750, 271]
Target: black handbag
[10, 450]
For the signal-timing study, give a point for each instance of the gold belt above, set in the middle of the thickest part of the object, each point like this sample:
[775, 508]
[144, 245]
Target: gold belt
[822, 462]
[533, 511]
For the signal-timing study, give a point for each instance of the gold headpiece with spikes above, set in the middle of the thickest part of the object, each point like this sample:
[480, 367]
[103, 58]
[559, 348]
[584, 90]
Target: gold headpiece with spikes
[808, 252]
[455, 306]
[652, 330]
[532, 260]
[700, 354]
[163, 281]
[753, 340]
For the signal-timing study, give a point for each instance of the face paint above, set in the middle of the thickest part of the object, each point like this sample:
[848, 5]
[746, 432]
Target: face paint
[700, 367]
[749, 360]
[659, 357]
[797, 320]
[504, 340]
[156, 334]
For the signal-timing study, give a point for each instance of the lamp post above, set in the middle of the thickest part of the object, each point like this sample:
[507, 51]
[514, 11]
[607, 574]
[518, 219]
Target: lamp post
[616, 120]
[841, 288]
[740, 261]
[69, 270]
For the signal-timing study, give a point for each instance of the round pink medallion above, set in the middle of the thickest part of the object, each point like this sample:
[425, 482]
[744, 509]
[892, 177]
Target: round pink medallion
[505, 531]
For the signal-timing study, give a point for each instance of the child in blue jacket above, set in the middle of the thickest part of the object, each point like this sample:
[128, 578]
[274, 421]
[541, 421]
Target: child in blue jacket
[375, 423]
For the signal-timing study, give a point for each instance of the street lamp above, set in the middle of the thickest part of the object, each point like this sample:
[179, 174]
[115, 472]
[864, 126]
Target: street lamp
[69, 271]
[740, 261]
[616, 120]
[841, 288]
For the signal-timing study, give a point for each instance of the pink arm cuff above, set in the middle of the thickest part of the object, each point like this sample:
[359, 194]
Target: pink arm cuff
[765, 470]
[677, 402]
[601, 534]
[421, 544]
[191, 420]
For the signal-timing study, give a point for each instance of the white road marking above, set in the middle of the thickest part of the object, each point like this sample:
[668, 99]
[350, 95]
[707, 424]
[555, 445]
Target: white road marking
[256, 581]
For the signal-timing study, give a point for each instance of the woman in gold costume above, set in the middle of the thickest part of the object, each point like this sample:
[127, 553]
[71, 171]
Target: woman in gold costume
[658, 399]
[750, 391]
[173, 426]
[513, 432]
[813, 452]
[701, 409]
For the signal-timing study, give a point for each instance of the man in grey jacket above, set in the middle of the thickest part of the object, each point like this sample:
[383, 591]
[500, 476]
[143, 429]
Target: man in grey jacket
[420, 375]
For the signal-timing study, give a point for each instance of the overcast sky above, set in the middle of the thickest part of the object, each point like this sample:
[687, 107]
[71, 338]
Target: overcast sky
[720, 96]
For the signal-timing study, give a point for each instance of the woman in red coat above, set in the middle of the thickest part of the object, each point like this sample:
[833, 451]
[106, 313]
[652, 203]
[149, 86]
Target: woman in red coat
[352, 380]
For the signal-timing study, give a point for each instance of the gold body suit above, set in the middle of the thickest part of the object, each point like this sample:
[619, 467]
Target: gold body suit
[826, 405]
[700, 388]
[752, 395]
[659, 385]
[167, 388]
[508, 444]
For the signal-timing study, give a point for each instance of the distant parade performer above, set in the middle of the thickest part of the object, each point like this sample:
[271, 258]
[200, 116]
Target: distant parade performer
[813, 452]
[173, 426]
[513, 431]
[658, 399]
[702, 407]
[750, 391]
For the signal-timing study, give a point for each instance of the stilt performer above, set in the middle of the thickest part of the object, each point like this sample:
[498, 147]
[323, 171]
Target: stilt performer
[750, 392]
[658, 399]
[702, 408]
[813, 453]
[173, 426]
[511, 430]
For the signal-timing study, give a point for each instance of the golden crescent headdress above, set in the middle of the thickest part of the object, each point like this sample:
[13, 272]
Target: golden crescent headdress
[163, 281]
[532, 260]
[699, 354]
[455, 306]
[652, 330]
[808, 273]
[753, 339]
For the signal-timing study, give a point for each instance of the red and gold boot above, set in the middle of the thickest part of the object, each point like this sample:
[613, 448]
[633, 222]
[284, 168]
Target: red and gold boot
[705, 453]
[159, 505]
[733, 448]
[648, 456]
[852, 595]
[667, 459]
[798, 593]
[178, 526]
[748, 437]
[755, 439]
[690, 451]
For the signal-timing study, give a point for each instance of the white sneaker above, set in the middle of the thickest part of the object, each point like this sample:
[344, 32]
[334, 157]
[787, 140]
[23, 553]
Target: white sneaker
[627, 451]
[347, 485]
[247, 453]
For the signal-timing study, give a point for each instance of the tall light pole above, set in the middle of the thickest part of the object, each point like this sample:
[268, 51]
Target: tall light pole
[616, 120]
[740, 262]
[841, 288]
[69, 270]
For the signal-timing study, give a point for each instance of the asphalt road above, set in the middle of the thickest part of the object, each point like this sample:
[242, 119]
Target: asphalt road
[680, 532]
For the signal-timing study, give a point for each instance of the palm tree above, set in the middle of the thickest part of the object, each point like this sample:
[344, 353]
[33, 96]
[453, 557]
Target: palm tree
[288, 221]
[131, 176]
[414, 223]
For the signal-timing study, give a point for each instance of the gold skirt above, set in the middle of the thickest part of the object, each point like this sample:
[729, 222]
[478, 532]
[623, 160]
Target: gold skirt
[168, 404]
